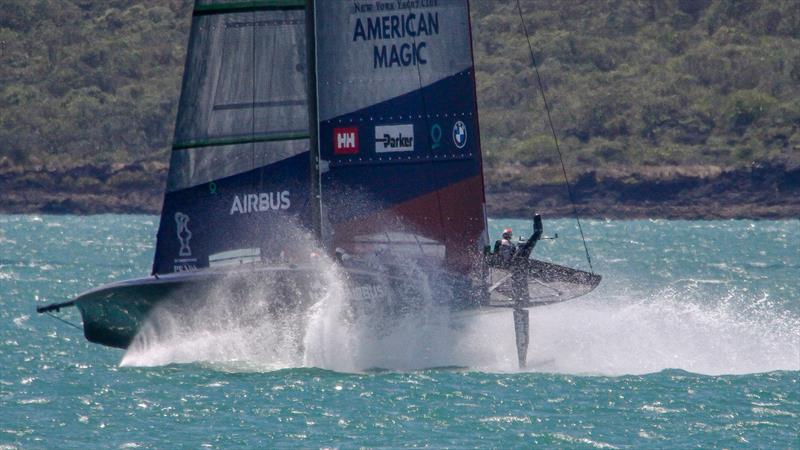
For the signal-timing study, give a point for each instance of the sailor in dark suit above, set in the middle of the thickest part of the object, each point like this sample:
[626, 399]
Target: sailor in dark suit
[504, 249]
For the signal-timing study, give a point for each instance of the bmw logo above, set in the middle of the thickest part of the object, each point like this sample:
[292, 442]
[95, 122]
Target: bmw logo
[460, 134]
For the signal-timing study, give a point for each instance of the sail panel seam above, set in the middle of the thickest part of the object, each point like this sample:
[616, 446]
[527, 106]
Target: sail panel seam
[266, 104]
[240, 140]
[241, 7]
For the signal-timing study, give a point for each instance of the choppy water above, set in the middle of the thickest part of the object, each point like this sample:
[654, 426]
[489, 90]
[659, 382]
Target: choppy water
[693, 339]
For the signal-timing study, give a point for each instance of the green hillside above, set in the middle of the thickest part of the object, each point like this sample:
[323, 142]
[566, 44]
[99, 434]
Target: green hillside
[633, 85]
[89, 80]
[637, 84]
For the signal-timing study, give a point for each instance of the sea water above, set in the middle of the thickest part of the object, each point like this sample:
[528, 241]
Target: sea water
[692, 339]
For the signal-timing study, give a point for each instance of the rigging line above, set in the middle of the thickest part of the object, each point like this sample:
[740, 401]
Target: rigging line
[253, 108]
[63, 320]
[268, 92]
[555, 137]
[427, 129]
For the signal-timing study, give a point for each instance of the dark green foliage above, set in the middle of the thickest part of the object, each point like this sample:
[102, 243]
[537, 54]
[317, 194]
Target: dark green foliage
[639, 84]
[89, 81]
[632, 84]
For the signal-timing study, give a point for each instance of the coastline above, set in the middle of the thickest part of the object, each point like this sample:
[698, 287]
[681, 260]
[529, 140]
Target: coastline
[758, 192]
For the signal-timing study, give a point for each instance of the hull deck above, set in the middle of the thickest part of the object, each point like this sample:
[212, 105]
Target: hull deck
[113, 314]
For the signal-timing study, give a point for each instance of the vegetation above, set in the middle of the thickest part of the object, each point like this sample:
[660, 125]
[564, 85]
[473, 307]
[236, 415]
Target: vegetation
[636, 85]
[84, 81]
[633, 85]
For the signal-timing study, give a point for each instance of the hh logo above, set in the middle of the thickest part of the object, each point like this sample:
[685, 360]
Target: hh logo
[345, 141]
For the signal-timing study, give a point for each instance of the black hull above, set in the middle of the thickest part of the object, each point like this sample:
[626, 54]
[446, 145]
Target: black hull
[114, 314]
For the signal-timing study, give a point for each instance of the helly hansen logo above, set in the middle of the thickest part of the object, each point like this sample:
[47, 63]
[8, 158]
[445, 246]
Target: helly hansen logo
[345, 141]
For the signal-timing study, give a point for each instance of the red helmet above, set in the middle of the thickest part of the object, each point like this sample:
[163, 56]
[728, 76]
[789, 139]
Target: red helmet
[507, 233]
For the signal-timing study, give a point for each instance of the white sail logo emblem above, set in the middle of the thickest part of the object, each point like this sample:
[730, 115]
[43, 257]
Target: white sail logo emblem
[184, 235]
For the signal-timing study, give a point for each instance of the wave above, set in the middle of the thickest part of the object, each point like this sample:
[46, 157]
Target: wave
[680, 327]
[670, 329]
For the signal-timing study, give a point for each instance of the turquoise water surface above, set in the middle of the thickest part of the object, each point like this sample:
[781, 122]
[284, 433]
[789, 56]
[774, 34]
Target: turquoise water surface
[692, 339]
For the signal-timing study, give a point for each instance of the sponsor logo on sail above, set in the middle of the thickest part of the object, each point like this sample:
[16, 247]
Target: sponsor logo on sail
[261, 202]
[414, 28]
[436, 136]
[184, 234]
[185, 262]
[345, 141]
[366, 292]
[394, 138]
[460, 134]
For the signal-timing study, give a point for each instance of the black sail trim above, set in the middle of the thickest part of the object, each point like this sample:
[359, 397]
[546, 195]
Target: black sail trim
[248, 105]
[249, 139]
[248, 6]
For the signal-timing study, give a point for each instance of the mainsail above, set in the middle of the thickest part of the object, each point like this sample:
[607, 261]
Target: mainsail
[238, 178]
[398, 128]
[398, 162]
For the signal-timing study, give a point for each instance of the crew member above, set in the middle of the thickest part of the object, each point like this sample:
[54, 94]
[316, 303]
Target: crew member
[504, 249]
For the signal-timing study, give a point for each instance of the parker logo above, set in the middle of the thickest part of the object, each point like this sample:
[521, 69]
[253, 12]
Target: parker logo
[394, 138]
[345, 141]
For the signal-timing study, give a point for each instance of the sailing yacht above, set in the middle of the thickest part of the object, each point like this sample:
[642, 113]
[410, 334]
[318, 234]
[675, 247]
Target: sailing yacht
[324, 127]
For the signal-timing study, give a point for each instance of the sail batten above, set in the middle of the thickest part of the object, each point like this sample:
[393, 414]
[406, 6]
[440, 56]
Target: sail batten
[271, 104]
[247, 6]
[293, 136]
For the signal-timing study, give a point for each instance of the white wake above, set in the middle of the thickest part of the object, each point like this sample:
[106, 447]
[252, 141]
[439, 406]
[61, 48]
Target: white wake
[599, 334]
[627, 335]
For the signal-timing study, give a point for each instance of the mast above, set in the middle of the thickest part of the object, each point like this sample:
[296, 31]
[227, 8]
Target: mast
[313, 139]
